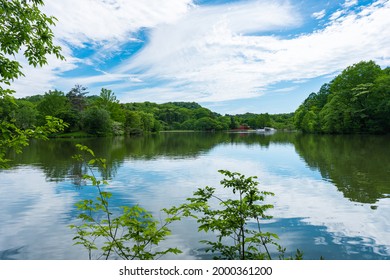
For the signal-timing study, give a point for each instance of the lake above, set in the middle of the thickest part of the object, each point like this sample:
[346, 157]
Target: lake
[332, 193]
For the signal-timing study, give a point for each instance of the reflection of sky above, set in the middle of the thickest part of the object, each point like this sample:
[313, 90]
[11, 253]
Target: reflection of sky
[324, 215]
[32, 216]
[310, 213]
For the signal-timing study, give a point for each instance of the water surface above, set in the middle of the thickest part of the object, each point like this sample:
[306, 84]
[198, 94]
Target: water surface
[332, 193]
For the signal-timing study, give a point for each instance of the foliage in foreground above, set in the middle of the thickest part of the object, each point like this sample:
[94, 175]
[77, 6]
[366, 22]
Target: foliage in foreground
[23, 28]
[15, 138]
[132, 232]
[236, 221]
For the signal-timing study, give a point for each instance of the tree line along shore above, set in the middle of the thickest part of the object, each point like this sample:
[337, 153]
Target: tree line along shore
[355, 101]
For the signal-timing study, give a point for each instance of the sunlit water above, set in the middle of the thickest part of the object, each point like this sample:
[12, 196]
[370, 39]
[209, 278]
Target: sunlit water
[332, 193]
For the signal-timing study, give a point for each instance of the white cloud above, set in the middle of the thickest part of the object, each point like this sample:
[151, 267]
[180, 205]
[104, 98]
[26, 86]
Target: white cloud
[206, 53]
[43, 79]
[350, 3]
[211, 53]
[105, 24]
[336, 15]
[104, 21]
[287, 89]
[319, 15]
[208, 56]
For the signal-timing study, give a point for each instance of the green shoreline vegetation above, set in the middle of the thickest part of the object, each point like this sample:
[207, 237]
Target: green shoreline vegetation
[104, 115]
[356, 101]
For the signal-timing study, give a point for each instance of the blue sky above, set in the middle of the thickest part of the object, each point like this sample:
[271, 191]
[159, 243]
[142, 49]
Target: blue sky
[229, 56]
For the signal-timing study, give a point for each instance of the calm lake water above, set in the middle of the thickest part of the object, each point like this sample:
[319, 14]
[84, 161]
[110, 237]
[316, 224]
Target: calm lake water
[332, 193]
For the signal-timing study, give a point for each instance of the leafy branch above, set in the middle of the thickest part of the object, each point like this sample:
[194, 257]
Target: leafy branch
[133, 234]
[15, 138]
[232, 220]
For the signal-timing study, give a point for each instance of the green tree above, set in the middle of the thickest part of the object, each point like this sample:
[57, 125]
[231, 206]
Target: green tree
[133, 122]
[107, 97]
[356, 101]
[147, 121]
[97, 121]
[359, 73]
[76, 97]
[23, 28]
[259, 121]
[25, 114]
[333, 116]
[53, 104]
[202, 113]
[7, 107]
[310, 122]
[188, 125]
[207, 124]
[108, 101]
[233, 123]
[379, 103]
[306, 117]
[282, 121]
[174, 114]
[34, 99]
[346, 99]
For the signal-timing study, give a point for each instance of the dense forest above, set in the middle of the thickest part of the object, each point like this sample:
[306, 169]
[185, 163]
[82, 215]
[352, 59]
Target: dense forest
[103, 114]
[356, 101]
